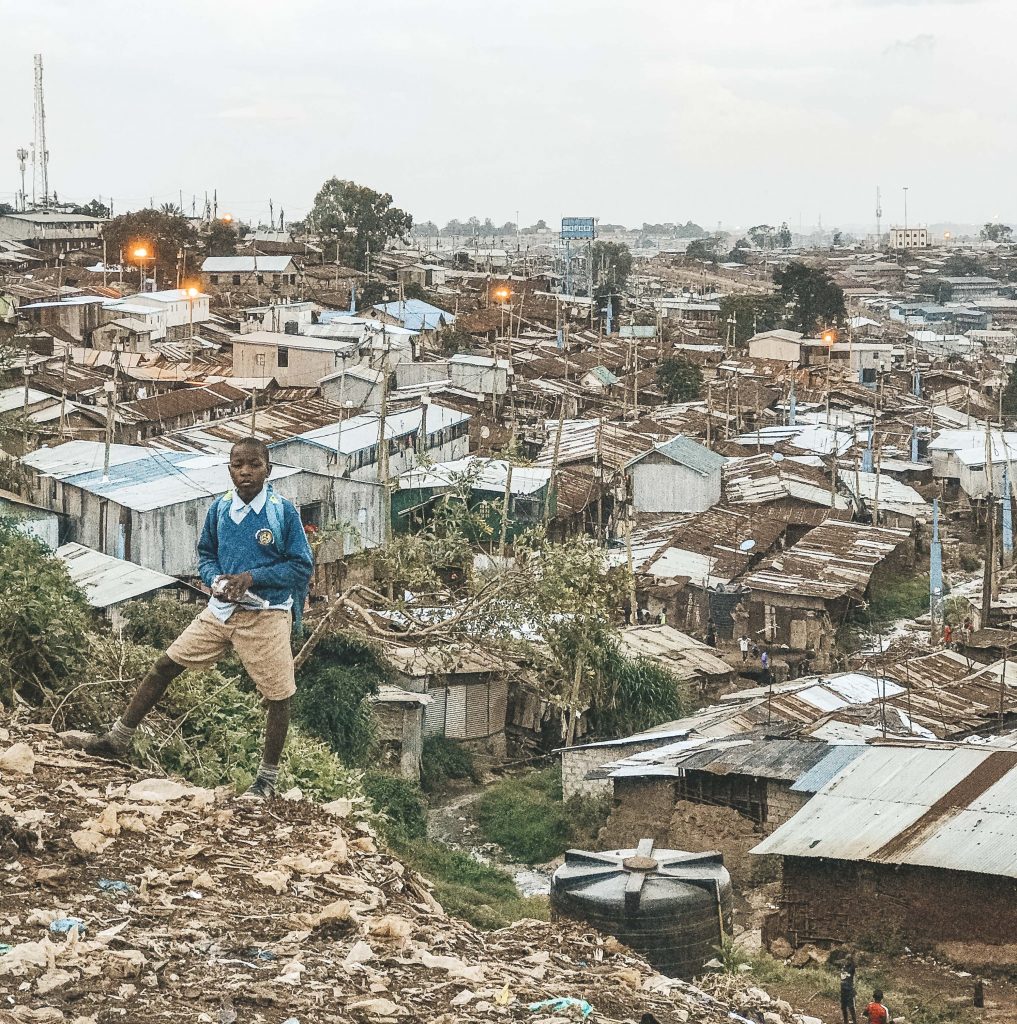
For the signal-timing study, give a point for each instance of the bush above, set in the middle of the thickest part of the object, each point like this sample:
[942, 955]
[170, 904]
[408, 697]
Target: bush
[484, 895]
[680, 379]
[157, 623]
[525, 816]
[44, 619]
[636, 695]
[445, 759]
[902, 597]
[332, 696]
[401, 803]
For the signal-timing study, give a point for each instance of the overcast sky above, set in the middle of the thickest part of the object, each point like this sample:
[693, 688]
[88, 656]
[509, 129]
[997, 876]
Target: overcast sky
[741, 111]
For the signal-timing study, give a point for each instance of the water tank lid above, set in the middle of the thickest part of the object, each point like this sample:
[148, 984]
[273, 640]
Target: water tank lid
[640, 863]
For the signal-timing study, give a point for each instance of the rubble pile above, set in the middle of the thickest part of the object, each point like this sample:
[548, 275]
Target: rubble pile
[130, 898]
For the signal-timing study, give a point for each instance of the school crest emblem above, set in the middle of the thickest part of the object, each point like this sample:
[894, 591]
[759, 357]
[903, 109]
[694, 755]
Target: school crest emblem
[264, 537]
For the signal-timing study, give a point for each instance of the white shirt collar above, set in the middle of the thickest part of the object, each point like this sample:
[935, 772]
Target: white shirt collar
[257, 503]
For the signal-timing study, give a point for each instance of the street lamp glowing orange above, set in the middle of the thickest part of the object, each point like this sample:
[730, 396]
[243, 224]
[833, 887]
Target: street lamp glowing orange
[227, 218]
[141, 253]
[192, 292]
[829, 337]
[502, 294]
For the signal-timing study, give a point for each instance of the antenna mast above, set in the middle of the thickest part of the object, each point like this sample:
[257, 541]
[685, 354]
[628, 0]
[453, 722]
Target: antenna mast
[879, 218]
[40, 154]
[22, 157]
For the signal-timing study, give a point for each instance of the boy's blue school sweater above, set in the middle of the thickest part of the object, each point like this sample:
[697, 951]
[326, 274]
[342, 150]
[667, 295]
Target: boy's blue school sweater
[279, 569]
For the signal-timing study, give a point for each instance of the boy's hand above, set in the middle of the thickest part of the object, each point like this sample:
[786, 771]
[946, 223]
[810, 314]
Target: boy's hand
[233, 587]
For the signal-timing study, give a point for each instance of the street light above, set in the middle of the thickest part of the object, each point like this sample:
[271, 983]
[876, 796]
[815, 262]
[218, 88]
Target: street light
[192, 294]
[141, 254]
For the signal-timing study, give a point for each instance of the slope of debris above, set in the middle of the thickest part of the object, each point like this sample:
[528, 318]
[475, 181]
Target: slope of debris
[130, 898]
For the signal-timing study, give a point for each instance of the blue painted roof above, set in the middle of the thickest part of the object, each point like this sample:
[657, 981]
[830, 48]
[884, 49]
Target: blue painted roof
[836, 760]
[416, 315]
[605, 376]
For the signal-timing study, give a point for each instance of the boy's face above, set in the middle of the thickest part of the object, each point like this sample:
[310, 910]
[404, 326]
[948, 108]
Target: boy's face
[249, 470]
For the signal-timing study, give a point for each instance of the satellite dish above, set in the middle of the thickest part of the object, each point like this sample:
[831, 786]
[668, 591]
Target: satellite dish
[485, 432]
[777, 457]
[746, 545]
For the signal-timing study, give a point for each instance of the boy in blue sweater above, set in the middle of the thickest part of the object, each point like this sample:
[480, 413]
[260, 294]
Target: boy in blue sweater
[254, 556]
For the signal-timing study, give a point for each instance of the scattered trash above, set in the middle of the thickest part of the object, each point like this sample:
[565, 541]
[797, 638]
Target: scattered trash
[563, 1003]
[298, 909]
[261, 954]
[62, 925]
[19, 759]
[109, 885]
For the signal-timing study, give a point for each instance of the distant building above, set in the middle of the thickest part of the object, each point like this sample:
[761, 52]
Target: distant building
[292, 359]
[69, 319]
[972, 286]
[51, 231]
[480, 374]
[413, 314]
[179, 310]
[350, 448]
[787, 347]
[909, 238]
[276, 275]
[679, 475]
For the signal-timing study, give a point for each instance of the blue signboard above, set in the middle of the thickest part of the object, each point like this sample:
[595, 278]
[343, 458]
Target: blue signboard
[578, 227]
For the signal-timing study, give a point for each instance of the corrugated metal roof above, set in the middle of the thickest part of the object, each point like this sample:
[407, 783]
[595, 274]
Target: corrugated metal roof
[949, 807]
[107, 580]
[837, 757]
[678, 652]
[832, 561]
[245, 264]
[688, 453]
[416, 315]
[360, 432]
[160, 478]
[486, 475]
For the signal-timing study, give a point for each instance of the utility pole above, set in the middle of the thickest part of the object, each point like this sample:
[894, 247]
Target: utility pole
[110, 388]
[990, 535]
[386, 519]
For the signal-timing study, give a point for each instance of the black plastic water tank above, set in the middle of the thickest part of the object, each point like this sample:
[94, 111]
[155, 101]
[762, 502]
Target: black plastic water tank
[672, 907]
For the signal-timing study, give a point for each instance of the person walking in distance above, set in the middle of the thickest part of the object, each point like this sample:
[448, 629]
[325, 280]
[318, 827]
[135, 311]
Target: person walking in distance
[847, 992]
[254, 556]
[743, 646]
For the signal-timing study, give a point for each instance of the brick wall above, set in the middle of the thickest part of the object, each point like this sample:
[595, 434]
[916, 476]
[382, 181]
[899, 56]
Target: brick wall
[838, 901]
[781, 804]
[577, 762]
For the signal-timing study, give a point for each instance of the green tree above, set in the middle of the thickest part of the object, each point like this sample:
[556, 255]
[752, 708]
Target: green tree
[163, 234]
[811, 297]
[783, 236]
[6, 208]
[680, 379]
[222, 239]
[370, 293]
[44, 620]
[838, 238]
[415, 290]
[356, 220]
[750, 314]
[762, 235]
[962, 265]
[94, 208]
[996, 233]
[702, 249]
[612, 263]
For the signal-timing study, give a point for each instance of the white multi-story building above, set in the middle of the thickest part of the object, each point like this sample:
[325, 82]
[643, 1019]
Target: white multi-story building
[909, 238]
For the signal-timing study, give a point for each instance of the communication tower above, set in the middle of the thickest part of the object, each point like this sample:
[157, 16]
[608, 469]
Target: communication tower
[40, 154]
[879, 217]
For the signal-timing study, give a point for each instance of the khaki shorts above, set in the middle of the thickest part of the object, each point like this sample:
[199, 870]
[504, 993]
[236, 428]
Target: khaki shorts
[261, 640]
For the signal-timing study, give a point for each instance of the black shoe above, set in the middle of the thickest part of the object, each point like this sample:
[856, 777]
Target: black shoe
[95, 745]
[261, 789]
